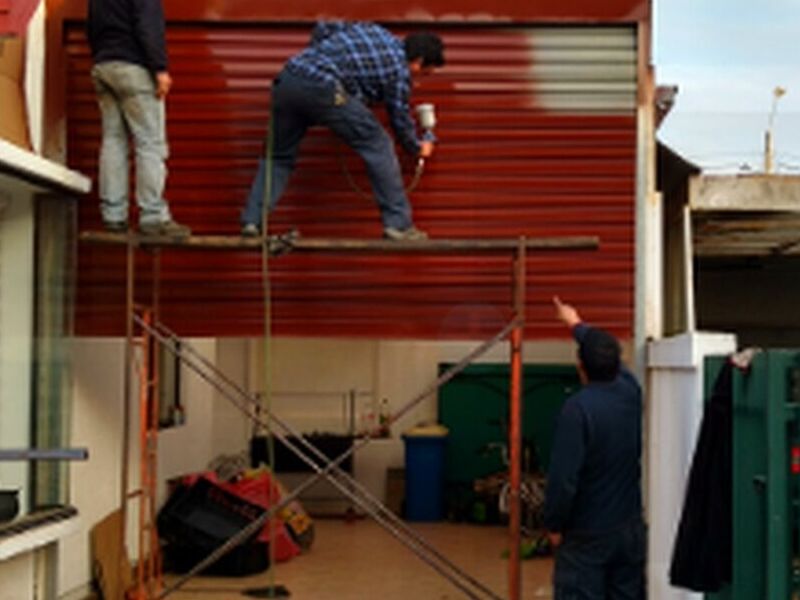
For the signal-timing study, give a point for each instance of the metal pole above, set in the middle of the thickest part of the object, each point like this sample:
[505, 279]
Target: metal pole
[23, 454]
[126, 405]
[144, 474]
[688, 270]
[154, 546]
[515, 425]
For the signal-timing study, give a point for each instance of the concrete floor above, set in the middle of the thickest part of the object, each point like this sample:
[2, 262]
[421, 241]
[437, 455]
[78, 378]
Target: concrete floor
[361, 561]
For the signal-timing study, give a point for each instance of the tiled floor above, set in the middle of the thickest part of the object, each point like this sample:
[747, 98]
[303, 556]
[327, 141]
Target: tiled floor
[361, 561]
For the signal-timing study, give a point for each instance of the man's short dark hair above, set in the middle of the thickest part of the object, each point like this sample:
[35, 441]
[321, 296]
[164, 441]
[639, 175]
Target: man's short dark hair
[599, 352]
[425, 45]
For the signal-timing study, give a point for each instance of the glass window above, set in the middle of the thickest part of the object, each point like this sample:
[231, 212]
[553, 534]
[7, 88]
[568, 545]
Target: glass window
[51, 381]
[37, 250]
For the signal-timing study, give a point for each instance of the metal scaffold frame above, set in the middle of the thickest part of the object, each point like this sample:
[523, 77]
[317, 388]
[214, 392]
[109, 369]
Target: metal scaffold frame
[148, 585]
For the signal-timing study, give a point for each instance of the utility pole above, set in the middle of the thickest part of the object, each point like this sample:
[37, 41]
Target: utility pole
[769, 151]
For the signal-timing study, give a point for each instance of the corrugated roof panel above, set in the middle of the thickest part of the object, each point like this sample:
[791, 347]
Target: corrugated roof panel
[537, 137]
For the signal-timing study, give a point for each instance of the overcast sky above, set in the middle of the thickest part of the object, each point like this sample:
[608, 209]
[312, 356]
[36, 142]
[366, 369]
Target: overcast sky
[726, 57]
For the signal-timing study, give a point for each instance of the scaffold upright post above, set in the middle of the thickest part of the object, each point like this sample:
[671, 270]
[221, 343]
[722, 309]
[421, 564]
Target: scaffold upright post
[130, 272]
[147, 581]
[515, 424]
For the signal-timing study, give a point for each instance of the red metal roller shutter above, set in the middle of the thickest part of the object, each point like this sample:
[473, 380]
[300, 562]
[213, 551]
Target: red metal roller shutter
[537, 137]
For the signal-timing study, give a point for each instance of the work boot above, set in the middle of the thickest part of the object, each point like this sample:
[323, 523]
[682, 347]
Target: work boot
[116, 226]
[404, 235]
[250, 230]
[169, 228]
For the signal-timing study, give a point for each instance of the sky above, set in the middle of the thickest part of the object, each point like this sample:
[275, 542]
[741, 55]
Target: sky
[727, 57]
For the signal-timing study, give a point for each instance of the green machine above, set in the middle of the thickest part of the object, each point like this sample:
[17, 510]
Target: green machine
[766, 477]
[474, 408]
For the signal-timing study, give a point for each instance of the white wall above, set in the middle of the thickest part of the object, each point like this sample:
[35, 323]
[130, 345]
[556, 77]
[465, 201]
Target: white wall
[97, 424]
[17, 576]
[231, 431]
[190, 447]
[674, 412]
[397, 370]
[311, 377]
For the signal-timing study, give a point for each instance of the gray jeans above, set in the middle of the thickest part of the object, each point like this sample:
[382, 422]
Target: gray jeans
[126, 94]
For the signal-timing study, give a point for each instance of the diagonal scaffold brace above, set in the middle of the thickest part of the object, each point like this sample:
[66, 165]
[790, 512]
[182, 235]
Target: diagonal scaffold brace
[324, 467]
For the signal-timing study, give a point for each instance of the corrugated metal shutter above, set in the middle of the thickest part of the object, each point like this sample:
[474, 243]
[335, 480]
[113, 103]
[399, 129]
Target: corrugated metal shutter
[537, 137]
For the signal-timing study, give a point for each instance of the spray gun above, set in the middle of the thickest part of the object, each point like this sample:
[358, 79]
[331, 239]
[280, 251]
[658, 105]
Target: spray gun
[427, 121]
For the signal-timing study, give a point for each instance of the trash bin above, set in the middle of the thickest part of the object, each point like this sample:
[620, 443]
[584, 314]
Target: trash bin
[425, 448]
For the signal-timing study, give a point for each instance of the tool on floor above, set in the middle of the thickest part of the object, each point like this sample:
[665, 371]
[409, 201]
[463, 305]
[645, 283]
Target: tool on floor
[275, 591]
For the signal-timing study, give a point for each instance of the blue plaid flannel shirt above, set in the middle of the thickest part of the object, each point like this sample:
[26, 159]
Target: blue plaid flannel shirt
[370, 64]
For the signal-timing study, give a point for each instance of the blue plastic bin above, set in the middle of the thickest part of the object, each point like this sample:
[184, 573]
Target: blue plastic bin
[425, 455]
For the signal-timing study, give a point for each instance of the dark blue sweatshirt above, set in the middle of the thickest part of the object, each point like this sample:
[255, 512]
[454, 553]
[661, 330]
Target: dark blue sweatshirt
[594, 480]
[129, 31]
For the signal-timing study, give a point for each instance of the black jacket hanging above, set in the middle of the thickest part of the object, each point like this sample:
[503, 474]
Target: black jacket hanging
[702, 555]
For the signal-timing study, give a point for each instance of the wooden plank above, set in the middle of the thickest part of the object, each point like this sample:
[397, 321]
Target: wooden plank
[292, 242]
[444, 245]
[215, 242]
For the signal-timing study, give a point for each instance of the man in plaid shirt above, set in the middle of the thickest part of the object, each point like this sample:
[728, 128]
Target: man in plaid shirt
[346, 67]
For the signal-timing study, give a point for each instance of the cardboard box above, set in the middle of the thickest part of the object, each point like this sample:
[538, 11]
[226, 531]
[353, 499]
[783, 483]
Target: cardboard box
[13, 118]
[13, 121]
[111, 566]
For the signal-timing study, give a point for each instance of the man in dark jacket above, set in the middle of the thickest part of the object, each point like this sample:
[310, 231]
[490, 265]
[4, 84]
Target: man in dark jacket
[131, 78]
[346, 67]
[593, 503]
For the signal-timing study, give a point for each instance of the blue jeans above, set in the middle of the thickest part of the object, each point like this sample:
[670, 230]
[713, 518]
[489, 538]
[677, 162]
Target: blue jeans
[126, 94]
[299, 103]
[608, 566]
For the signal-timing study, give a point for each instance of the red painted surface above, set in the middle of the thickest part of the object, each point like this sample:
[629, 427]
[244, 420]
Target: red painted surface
[504, 167]
[14, 15]
[451, 11]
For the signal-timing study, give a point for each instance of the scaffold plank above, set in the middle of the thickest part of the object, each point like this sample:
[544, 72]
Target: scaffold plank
[293, 243]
